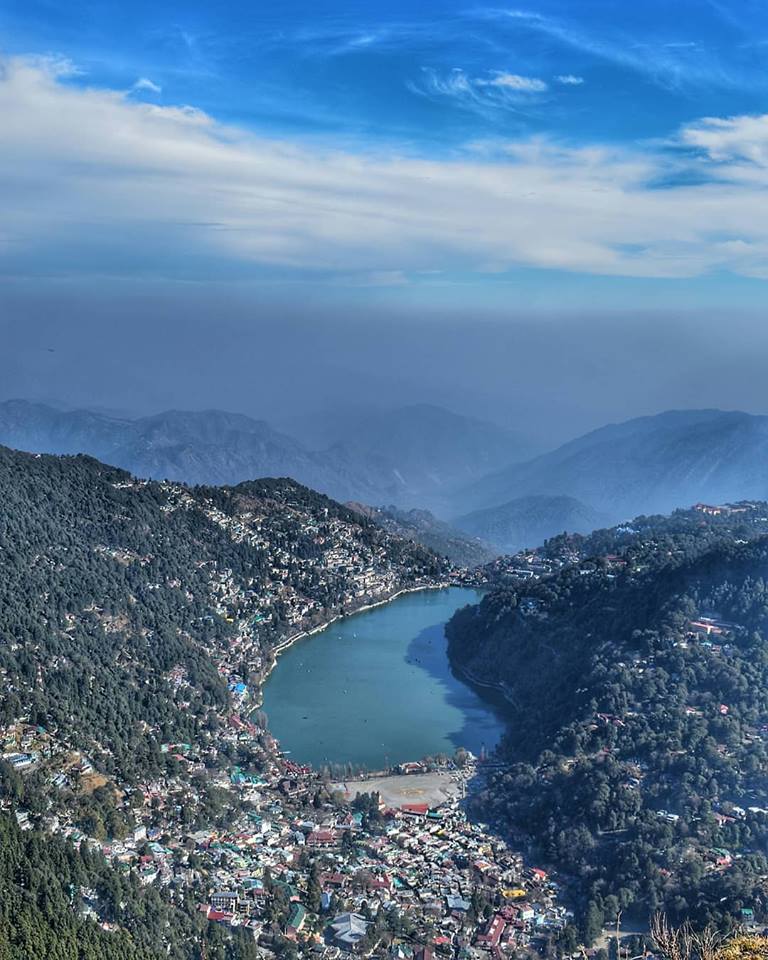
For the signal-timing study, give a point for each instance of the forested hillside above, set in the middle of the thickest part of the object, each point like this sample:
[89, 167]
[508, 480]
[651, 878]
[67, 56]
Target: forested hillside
[136, 622]
[421, 526]
[638, 684]
[529, 521]
[110, 585]
[51, 892]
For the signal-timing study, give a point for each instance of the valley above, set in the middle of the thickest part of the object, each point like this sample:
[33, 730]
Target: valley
[383, 480]
[225, 675]
[226, 843]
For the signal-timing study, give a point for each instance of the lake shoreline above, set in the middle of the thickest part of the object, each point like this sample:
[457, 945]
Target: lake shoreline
[288, 642]
[378, 690]
[497, 686]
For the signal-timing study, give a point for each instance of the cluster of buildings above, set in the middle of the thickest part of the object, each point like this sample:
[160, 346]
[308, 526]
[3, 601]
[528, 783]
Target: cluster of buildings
[357, 878]
[292, 859]
[316, 568]
[282, 855]
[26, 747]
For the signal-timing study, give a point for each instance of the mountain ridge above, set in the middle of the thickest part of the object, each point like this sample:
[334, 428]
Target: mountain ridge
[388, 460]
[529, 521]
[635, 677]
[646, 465]
[423, 527]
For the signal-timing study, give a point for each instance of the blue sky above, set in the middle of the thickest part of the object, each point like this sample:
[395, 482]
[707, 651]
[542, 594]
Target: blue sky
[372, 71]
[557, 152]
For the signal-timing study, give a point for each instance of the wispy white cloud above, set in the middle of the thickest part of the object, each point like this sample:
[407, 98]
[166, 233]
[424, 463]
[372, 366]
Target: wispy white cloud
[569, 80]
[513, 81]
[741, 143]
[147, 85]
[90, 179]
[333, 39]
[668, 64]
[497, 90]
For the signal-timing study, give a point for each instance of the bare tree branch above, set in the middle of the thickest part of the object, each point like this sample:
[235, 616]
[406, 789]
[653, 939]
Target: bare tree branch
[683, 943]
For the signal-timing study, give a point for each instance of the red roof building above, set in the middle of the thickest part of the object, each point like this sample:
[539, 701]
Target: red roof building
[492, 935]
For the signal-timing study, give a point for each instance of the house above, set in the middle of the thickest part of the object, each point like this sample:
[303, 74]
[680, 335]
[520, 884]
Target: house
[401, 951]
[347, 930]
[296, 921]
[322, 839]
[513, 893]
[220, 916]
[290, 787]
[411, 767]
[224, 900]
[332, 879]
[457, 904]
[491, 936]
[20, 760]
[22, 818]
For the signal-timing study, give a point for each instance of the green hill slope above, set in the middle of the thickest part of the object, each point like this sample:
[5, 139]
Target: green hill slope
[639, 731]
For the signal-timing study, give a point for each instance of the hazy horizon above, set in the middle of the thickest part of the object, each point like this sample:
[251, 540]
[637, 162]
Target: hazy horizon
[546, 216]
[549, 376]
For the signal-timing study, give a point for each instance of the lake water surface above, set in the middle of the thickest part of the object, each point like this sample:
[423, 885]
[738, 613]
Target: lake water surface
[376, 689]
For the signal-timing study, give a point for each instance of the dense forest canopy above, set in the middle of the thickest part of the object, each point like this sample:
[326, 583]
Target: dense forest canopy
[126, 607]
[50, 891]
[637, 680]
[107, 584]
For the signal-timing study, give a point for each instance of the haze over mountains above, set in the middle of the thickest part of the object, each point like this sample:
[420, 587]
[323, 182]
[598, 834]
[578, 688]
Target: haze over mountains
[529, 521]
[412, 456]
[469, 472]
[646, 465]
[430, 448]
[210, 447]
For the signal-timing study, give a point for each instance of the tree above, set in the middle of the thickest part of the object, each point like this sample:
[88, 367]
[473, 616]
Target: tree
[593, 922]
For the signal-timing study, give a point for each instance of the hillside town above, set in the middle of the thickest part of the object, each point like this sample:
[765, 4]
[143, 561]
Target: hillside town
[306, 866]
[256, 842]
[261, 843]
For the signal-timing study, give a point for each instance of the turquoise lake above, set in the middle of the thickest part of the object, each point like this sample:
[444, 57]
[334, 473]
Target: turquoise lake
[376, 689]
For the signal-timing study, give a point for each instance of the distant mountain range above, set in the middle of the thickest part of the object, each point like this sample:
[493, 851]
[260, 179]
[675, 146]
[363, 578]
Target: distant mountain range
[432, 451]
[647, 465]
[465, 470]
[423, 527]
[210, 447]
[529, 521]
[409, 456]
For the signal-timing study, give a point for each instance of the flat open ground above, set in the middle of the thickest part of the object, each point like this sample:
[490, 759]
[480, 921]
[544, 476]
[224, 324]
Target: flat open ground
[431, 788]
